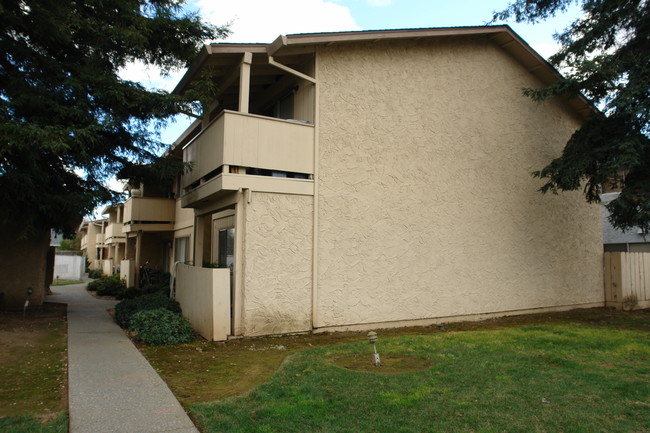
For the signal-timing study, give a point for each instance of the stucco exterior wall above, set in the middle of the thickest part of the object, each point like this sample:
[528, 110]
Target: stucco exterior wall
[183, 217]
[277, 267]
[426, 203]
[91, 245]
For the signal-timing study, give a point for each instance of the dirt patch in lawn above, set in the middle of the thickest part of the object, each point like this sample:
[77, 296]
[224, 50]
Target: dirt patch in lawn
[390, 364]
[33, 361]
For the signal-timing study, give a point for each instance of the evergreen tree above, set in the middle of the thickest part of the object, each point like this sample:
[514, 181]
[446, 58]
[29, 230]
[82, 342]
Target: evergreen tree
[68, 122]
[606, 56]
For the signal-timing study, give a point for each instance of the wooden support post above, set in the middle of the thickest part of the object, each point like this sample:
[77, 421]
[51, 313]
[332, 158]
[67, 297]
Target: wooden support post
[238, 290]
[245, 82]
[199, 240]
[138, 252]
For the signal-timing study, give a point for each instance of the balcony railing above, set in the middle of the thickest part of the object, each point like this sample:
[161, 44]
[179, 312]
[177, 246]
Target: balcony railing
[114, 233]
[99, 239]
[250, 141]
[149, 214]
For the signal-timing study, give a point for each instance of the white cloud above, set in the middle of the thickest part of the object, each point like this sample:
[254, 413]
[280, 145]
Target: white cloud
[150, 76]
[379, 3]
[545, 50]
[264, 20]
[116, 184]
[255, 21]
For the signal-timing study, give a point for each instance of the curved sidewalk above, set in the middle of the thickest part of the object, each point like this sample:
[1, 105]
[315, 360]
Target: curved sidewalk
[111, 386]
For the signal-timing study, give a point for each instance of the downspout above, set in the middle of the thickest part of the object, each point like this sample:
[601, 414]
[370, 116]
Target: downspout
[239, 300]
[314, 80]
[314, 272]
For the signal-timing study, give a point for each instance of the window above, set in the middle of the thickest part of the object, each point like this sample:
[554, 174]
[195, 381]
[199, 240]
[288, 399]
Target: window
[182, 249]
[226, 248]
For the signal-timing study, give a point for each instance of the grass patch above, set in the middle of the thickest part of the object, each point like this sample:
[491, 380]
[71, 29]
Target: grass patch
[581, 371]
[30, 424]
[65, 282]
[555, 378]
[33, 377]
[390, 363]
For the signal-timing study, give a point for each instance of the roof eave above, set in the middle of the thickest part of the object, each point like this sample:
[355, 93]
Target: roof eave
[520, 50]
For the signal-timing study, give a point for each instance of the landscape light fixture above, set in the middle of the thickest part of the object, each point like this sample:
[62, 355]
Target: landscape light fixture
[372, 337]
[30, 290]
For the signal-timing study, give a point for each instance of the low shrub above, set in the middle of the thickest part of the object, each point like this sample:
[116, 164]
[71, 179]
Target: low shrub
[108, 286]
[94, 274]
[134, 292]
[125, 310]
[130, 293]
[161, 326]
[156, 288]
[159, 283]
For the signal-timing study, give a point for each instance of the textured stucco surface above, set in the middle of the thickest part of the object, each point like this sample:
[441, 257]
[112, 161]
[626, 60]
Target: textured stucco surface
[426, 203]
[277, 263]
[91, 245]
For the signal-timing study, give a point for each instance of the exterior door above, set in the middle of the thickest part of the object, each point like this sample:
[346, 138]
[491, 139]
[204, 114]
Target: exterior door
[223, 250]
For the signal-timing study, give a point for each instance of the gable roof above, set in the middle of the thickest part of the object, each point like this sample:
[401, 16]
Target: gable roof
[228, 55]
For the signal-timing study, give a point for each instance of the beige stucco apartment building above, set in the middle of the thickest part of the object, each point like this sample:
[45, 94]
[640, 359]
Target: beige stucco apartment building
[92, 242]
[380, 178]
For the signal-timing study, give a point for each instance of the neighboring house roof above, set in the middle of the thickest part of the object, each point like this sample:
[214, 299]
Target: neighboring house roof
[226, 56]
[612, 235]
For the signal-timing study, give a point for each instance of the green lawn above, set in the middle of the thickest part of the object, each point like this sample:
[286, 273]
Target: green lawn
[555, 376]
[33, 375]
[61, 282]
[31, 424]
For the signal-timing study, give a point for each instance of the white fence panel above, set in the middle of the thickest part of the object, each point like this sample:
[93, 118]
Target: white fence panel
[68, 267]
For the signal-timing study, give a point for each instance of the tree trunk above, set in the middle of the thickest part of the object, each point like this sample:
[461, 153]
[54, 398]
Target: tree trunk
[23, 265]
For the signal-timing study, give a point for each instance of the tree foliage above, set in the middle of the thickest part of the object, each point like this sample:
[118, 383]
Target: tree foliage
[604, 55]
[71, 244]
[67, 120]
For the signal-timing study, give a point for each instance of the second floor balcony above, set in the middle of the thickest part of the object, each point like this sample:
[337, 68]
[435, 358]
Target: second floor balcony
[239, 150]
[114, 234]
[148, 214]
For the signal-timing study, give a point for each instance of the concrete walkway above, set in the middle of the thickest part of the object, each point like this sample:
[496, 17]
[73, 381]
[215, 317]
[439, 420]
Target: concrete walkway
[112, 387]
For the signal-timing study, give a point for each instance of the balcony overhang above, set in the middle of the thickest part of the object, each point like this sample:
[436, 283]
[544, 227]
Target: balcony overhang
[246, 140]
[134, 227]
[149, 214]
[227, 183]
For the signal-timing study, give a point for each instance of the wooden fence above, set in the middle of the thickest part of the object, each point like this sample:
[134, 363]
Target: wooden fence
[627, 280]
